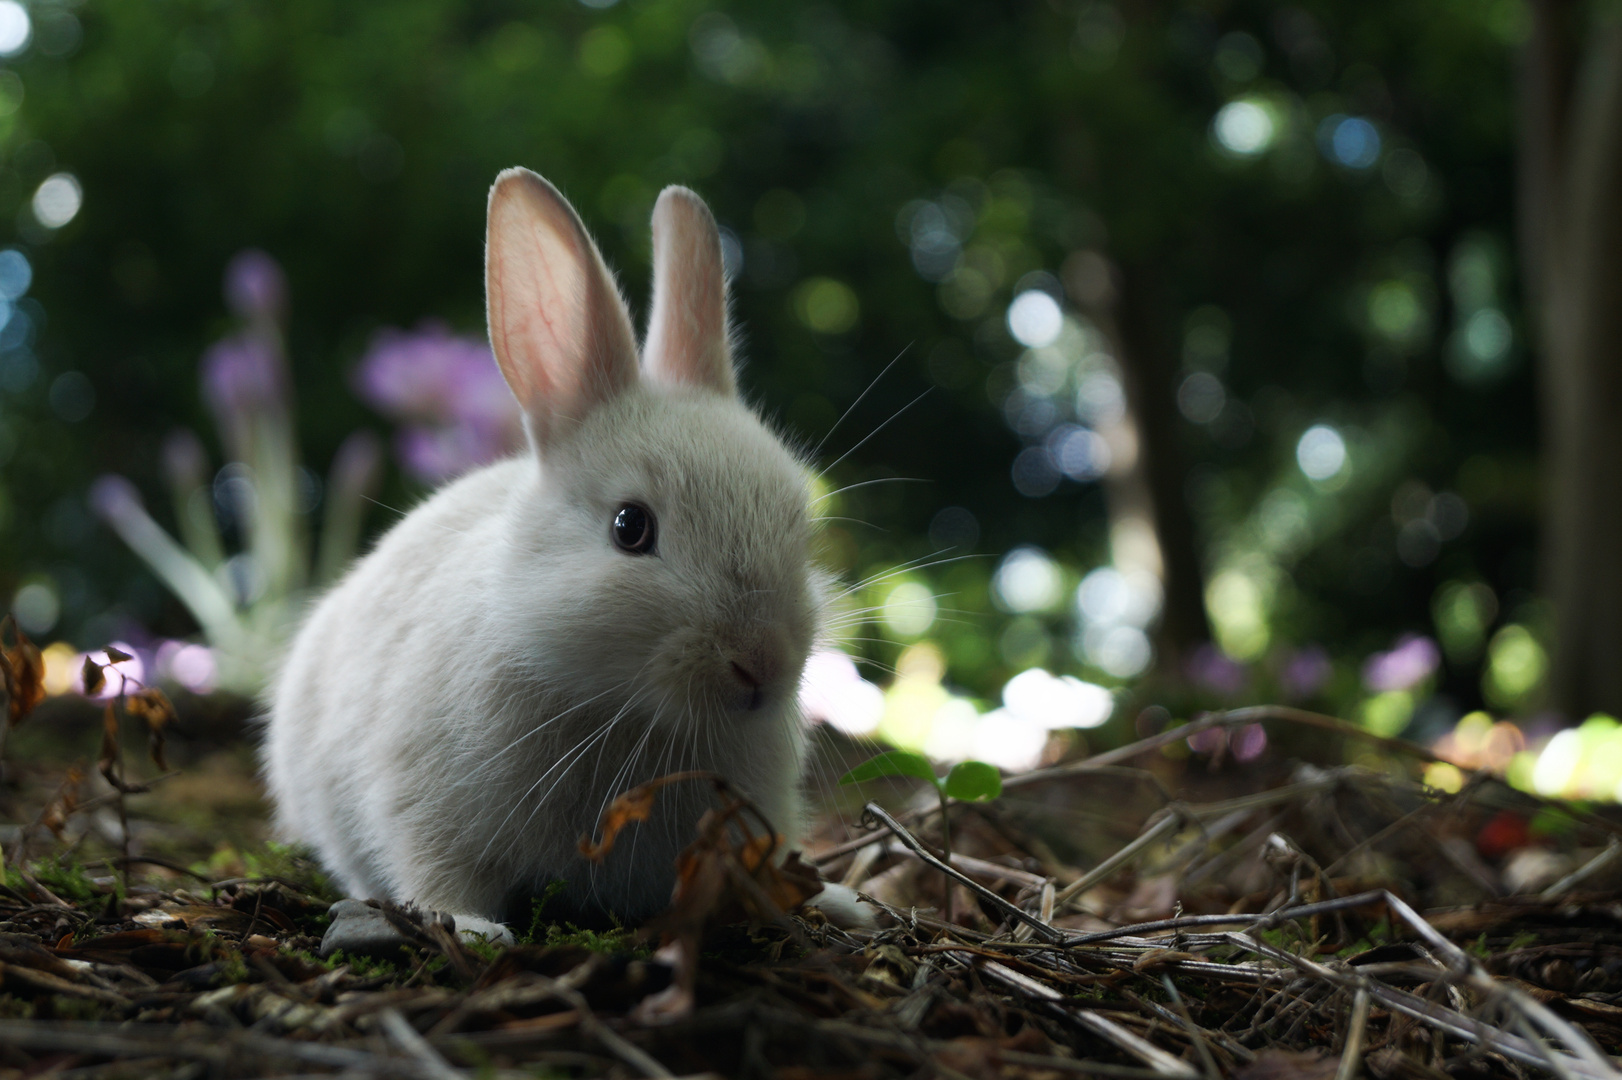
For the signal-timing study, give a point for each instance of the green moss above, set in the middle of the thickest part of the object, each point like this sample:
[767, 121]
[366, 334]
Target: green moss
[621, 939]
[539, 924]
[552, 932]
[366, 967]
[307, 957]
[284, 862]
[13, 1007]
[482, 949]
[1554, 821]
[69, 880]
[233, 969]
[65, 1007]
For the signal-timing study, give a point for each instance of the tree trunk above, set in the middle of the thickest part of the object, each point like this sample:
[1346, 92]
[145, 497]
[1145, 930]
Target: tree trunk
[1571, 240]
[1151, 372]
[1148, 507]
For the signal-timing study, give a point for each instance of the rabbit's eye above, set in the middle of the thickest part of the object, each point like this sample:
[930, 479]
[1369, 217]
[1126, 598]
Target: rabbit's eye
[633, 529]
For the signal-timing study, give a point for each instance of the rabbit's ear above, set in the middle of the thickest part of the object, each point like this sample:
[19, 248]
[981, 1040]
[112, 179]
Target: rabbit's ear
[687, 332]
[559, 328]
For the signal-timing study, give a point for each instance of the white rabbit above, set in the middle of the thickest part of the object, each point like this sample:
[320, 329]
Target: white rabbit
[631, 596]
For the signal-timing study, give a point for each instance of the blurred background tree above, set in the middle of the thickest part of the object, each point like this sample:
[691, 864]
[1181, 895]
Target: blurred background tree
[1229, 392]
[1571, 244]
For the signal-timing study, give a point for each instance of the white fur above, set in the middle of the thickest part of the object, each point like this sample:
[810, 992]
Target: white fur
[459, 710]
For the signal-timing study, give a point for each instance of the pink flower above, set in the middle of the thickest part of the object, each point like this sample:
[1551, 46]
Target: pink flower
[1410, 662]
[449, 395]
[255, 286]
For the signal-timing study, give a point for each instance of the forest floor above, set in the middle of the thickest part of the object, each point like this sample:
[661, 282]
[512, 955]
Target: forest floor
[1151, 911]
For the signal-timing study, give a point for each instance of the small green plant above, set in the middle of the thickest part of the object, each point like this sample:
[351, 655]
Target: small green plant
[968, 781]
[539, 924]
[66, 879]
[621, 939]
[366, 967]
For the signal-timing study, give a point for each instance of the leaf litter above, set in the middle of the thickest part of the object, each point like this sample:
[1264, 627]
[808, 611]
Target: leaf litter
[1124, 914]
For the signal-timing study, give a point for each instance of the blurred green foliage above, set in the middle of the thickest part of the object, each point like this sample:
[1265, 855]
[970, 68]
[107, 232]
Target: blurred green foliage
[355, 142]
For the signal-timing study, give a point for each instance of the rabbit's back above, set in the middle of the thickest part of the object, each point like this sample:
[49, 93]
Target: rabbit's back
[368, 684]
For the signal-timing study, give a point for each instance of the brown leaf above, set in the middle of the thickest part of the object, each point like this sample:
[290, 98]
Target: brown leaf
[153, 706]
[634, 805]
[92, 676]
[794, 881]
[151, 949]
[56, 813]
[116, 656]
[194, 916]
[22, 673]
[110, 762]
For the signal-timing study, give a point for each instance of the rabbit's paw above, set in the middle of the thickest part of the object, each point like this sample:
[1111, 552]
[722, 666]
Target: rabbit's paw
[360, 928]
[844, 908]
[472, 928]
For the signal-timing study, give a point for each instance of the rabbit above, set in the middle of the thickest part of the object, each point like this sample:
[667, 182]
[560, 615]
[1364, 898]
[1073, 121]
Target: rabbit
[630, 596]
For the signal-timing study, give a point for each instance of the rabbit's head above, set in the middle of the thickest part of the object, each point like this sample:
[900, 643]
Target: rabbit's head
[661, 565]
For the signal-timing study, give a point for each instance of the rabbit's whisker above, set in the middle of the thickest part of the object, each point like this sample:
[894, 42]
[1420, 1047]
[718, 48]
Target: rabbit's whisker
[876, 430]
[859, 399]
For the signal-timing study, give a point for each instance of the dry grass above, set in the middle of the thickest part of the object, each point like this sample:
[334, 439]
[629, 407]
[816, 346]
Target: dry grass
[1134, 913]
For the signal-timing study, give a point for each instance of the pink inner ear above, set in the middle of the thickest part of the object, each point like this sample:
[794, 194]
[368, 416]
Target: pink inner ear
[557, 324]
[687, 331]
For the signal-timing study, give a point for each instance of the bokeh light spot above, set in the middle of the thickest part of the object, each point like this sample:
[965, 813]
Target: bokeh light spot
[57, 200]
[1243, 128]
[1057, 701]
[1028, 580]
[1350, 141]
[1034, 318]
[36, 607]
[1321, 452]
[15, 28]
[909, 610]
[15, 274]
[1201, 397]
[826, 306]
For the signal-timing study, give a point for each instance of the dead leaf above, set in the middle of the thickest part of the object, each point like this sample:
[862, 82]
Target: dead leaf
[92, 676]
[152, 949]
[725, 874]
[634, 805]
[1155, 959]
[22, 673]
[194, 916]
[888, 964]
[61, 805]
[154, 707]
[116, 656]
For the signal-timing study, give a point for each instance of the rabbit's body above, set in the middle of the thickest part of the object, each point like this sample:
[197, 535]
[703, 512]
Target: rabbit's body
[457, 713]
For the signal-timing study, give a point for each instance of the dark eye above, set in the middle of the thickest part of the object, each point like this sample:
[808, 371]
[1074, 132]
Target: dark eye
[633, 529]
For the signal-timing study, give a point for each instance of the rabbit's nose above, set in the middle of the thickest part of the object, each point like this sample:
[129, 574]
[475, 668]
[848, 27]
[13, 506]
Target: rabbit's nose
[750, 695]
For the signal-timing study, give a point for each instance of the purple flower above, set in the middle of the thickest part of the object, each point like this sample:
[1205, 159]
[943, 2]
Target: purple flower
[114, 498]
[1305, 672]
[185, 462]
[1212, 669]
[255, 286]
[1248, 742]
[243, 376]
[358, 461]
[447, 391]
[1411, 661]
